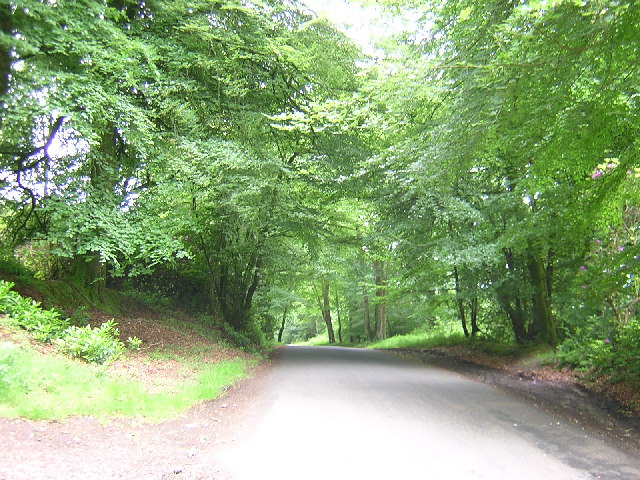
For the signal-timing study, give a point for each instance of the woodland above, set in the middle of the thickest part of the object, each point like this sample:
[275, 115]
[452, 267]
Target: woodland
[245, 160]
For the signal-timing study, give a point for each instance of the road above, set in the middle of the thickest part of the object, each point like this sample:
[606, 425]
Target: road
[337, 413]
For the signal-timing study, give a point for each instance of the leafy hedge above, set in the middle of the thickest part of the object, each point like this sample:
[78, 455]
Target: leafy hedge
[94, 345]
[615, 354]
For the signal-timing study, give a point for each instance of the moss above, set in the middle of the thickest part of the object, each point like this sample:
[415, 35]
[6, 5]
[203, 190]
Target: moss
[67, 295]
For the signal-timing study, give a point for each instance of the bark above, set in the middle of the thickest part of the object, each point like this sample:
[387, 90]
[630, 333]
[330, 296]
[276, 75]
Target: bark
[367, 314]
[515, 314]
[381, 306]
[339, 319]
[460, 302]
[474, 317]
[284, 319]
[89, 274]
[234, 279]
[543, 321]
[5, 55]
[326, 311]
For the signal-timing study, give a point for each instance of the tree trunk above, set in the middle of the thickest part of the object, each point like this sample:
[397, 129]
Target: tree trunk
[474, 317]
[460, 302]
[543, 322]
[339, 319]
[281, 330]
[89, 274]
[5, 53]
[367, 314]
[326, 311]
[515, 315]
[381, 306]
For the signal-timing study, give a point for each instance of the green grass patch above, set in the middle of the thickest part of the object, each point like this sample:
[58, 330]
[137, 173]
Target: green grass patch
[318, 340]
[39, 387]
[421, 340]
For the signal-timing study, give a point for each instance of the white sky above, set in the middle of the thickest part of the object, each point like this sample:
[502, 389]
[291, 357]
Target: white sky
[363, 24]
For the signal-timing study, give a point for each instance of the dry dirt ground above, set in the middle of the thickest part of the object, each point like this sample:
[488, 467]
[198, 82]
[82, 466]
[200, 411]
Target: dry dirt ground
[186, 447]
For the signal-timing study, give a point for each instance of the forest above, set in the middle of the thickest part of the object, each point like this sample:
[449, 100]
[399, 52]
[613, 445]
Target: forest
[245, 160]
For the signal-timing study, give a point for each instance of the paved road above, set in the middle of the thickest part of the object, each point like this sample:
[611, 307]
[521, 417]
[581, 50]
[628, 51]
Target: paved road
[336, 413]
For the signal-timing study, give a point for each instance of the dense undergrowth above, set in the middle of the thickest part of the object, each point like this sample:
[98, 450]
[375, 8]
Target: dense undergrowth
[71, 374]
[94, 345]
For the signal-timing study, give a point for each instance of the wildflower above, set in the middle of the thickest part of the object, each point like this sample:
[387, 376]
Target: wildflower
[620, 248]
[607, 340]
[583, 268]
[596, 174]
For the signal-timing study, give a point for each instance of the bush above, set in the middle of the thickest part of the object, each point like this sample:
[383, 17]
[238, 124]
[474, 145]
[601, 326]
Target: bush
[612, 350]
[251, 339]
[80, 316]
[134, 344]
[95, 345]
[11, 265]
[44, 325]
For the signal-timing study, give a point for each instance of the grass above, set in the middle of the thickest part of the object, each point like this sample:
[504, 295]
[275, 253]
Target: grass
[413, 340]
[447, 338]
[39, 387]
[420, 340]
[318, 340]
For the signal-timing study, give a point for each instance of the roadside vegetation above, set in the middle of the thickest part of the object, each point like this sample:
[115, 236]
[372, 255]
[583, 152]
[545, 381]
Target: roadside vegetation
[51, 369]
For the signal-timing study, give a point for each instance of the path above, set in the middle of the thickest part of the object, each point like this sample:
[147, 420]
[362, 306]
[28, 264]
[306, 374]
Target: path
[347, 413]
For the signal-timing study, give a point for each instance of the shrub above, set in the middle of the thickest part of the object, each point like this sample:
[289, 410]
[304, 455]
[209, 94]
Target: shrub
[44, 325]
[134, 343]
[80, 316]
[612, 350]
[12, 265]
[250, 339]
[95, 345]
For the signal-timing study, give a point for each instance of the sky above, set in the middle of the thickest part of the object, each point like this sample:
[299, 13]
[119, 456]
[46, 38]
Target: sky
[362, 24]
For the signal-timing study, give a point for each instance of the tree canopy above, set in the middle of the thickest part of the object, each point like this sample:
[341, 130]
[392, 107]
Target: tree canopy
[249, 161]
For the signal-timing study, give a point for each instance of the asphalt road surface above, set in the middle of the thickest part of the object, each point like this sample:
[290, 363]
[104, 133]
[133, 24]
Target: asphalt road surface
[337, 413]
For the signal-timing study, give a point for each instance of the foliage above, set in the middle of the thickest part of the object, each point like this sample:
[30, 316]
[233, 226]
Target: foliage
[44, 325]
[134, 344]
[614, 355]
[421, 340]
[38, 387]
[250, 339]
[94, 345]
[235, 159]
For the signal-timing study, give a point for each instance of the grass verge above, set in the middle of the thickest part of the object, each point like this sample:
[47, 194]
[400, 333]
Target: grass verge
[420, 340]
[39, 387]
